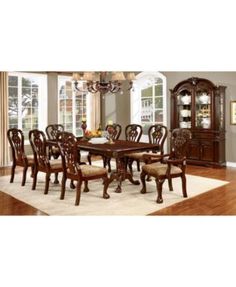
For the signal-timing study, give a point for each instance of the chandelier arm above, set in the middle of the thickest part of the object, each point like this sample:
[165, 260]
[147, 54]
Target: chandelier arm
[76, 86]
[130, 85]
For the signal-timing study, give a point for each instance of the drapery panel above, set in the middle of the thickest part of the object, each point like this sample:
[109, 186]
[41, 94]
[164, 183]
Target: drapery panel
[4, 146]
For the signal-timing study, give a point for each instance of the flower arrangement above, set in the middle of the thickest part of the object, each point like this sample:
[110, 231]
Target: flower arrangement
[92, 134]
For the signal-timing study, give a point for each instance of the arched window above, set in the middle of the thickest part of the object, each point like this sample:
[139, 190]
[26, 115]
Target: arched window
[148, 101]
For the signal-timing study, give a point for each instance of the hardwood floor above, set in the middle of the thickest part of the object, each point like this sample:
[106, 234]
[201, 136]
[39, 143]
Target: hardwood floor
[11, 206]
[220, 201]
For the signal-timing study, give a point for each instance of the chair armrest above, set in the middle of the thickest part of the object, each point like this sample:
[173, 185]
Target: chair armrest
[176, 161]
[154, 157]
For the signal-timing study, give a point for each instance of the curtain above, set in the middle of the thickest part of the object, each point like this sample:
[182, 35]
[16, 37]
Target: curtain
[4, 146]
[95, 115]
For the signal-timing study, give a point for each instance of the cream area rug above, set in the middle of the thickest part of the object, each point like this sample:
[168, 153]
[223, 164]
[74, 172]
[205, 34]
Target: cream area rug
[129, 202]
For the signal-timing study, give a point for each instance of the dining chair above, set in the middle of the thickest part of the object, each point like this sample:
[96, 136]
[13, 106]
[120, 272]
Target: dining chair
[117, 129]
[168, 166]
[52, 131]
[42, 162]
[157, 135]
[16, 139]
[133, 132]
[69, 148]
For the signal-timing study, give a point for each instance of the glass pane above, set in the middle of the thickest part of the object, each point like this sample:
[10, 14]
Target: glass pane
[145, 128]
[158, 81]
[12, 81]
[13, 92]
[26, 82]
[159, 102]
[203, 110]
[13, 107]
[158, 90]
[146, 93]
[35, 102]
[35, 82]
[159, 116]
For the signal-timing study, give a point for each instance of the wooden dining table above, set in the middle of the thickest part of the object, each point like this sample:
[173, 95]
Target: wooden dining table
[118, 150]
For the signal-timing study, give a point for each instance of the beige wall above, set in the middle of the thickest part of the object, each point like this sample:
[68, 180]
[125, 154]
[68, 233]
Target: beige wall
[117, 107]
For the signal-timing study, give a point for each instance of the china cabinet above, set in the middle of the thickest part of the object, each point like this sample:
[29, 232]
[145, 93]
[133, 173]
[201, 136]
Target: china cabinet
[199, 105]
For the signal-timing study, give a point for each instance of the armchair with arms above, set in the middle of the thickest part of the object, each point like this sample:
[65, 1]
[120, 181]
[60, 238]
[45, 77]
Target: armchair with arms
[168, 166]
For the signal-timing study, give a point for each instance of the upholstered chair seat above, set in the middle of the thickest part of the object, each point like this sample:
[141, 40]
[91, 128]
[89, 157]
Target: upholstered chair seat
[158, 169]
[89, 170]
[157, 135]
[70, 152]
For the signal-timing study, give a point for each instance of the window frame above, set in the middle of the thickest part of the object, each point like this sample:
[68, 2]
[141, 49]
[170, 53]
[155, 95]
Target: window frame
[74, 94]
[143, 81]
[42, 98]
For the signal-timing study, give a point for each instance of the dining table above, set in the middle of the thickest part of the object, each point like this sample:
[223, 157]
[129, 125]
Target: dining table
[119, 150]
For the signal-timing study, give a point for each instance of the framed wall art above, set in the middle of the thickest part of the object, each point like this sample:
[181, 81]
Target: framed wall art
[233, 112]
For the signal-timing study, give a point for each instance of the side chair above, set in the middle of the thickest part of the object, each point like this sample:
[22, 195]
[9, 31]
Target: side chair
[16, 139]
[115, 136]
[52, 132]
[168, 166]
[42, 162]
[69, 148]
[157, 135]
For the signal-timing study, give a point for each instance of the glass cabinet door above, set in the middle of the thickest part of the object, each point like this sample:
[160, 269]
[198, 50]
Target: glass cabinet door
[203, 110]
[184, 102]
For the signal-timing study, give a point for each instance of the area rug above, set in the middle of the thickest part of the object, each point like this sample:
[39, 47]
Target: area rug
[129, 202]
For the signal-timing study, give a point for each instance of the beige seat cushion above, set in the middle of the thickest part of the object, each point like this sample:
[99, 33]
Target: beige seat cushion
[55, 149]
[30, 159]
[157, 169]
[56, 164]
[90, 170]
[139, 155]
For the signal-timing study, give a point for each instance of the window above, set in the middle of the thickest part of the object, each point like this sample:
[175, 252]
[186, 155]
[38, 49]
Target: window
[148, 101]
[73, 106]
[27, 100]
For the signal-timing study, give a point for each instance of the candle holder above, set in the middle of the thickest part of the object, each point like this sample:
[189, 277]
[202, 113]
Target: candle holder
[84, 127]
[110, 131]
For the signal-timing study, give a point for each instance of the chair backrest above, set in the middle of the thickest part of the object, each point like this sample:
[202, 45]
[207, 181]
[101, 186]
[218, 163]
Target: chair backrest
[116, 131]
[53, 130]
[70, 154]
[16, 139]
[179, 143]
[157, 134]
[133, 132]
[37, 140]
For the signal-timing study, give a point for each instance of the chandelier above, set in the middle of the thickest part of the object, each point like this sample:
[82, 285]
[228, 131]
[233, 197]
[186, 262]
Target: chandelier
[103, 82]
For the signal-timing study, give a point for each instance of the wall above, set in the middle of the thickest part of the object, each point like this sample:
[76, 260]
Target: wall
[116, 107]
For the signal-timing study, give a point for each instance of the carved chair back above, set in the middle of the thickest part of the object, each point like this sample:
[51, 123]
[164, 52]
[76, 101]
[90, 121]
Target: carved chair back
[38, 143]
[116, 131]
[53, 130]
[70, 152]
[133, 132]
[16, 139]
[157, 134]
[179, 143]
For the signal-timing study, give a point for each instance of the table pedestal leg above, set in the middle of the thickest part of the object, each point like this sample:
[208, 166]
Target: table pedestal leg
[121, 174]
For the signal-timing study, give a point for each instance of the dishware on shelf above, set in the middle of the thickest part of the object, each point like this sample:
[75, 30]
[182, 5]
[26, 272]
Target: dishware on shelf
[186, 99]
[204, 98]
[206, 122]
[185, 113]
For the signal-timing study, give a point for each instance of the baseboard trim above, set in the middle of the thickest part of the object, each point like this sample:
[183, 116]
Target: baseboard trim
[231, 164]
